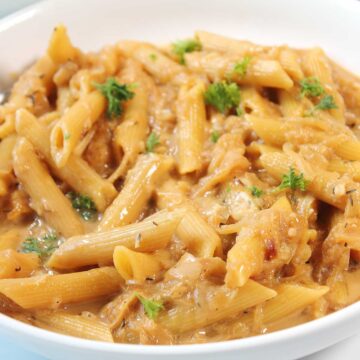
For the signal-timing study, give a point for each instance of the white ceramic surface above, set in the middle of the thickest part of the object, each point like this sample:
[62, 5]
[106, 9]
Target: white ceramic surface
[333, 24]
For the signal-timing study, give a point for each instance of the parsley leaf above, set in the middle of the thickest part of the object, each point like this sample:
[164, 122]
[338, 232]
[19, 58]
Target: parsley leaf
[214, 136]
[151, 307]
[255, 191]
[181, 47]
[293, 181]
[326, 103]
[151, 142]
[43, 246]
[239, 111]
[223, 96]
[115, 94]
[153, 57]
[311, 87]
[241, 67]
[83, 205]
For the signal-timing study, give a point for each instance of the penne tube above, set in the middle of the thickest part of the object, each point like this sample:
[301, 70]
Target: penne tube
[46, 198]
[162, 68]
[348, 149]
[139, 185]
[77, 173]
[216, 42]
[60, 48]
[6, 149]
[191, 115]
[10, 239]
[259, 72]
[197, 235]
[342, 167]
[98, 248]
[290, 106]
[289, 60]
[30, 92]
[81, 326]
[130, 135]
[52, 291]
[245, 259]
[135, 266]
[224, 304]
[322, 184]
[68, 131]
[289, 299]
[17, 265]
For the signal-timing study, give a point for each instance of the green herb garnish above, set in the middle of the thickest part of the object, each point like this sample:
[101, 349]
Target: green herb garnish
[115, 94]
[228, 188]
[215, 136]
[311, 87]
[326, 103]
[293, 181]
[239, 111]
[151, 142]
[151, 307]
[255, 191]
[181, 47]
[43, 246]
[153, 57]
[241, 67]
[223, 96]
[83, 205]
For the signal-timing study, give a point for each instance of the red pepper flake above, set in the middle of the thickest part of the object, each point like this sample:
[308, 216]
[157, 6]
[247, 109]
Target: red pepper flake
[270, 250]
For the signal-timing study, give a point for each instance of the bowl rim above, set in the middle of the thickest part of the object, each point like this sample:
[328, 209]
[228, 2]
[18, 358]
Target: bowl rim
[303, 330]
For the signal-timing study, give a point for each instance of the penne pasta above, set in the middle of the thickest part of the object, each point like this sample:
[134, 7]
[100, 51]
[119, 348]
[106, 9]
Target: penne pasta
[46, 197]
[225, 304]
[135, 266]
[191, 127]
[98, 248]
[74, 325]
[76, 172]
[137, 190]
[289, 299]
[51, 291]
[78, 120]
[259, 72]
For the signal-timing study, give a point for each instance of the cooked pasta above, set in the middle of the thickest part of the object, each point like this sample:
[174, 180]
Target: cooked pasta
[200, 191]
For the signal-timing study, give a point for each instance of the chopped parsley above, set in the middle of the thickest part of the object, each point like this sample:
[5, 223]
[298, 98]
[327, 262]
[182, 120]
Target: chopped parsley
[293, 181]
[67, 136]
[43, 246]
[241, 67]
[151, 307]
[181, 47]
[228, 188]
[255, 191]
[153, 57]
[311, 87]
[83, 205]
[151, 142]
[215, 136]
[115, 94]
[223, 96]
[326, 103]
[239, 111]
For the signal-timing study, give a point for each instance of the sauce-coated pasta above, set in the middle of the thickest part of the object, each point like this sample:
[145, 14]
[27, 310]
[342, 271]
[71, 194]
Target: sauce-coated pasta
[203, 191]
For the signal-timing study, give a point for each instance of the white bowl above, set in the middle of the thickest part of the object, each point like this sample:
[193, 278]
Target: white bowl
[331, 24]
